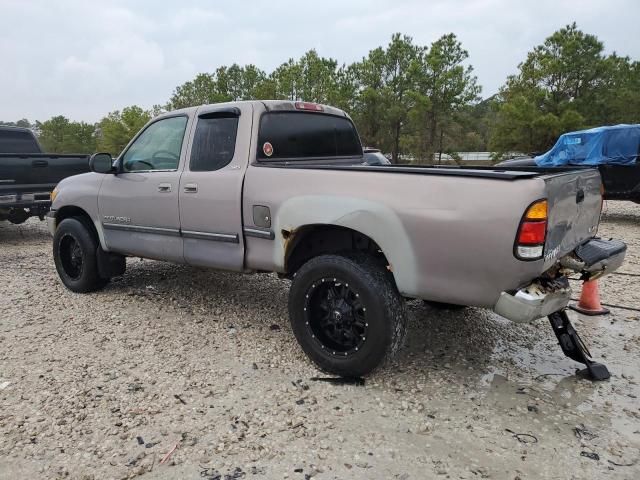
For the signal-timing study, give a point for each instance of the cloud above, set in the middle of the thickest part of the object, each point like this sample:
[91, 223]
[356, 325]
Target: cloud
[187, 18]
[84, 59]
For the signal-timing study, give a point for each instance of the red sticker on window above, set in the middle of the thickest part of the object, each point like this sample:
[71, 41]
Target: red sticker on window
[267, 148]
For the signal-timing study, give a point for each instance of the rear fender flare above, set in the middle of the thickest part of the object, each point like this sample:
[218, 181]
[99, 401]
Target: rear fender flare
[377, 221]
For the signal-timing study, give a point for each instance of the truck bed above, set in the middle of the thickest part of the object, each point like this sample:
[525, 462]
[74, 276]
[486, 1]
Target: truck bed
[478, 172]
[27, 179]
[621, 182]
[452, 216]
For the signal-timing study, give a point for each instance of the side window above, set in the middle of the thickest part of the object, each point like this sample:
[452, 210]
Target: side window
[214, 143]
[158, 147]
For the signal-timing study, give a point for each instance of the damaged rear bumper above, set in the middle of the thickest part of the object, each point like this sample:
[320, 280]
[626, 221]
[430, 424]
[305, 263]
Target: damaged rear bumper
[592, 260]
[532, 302]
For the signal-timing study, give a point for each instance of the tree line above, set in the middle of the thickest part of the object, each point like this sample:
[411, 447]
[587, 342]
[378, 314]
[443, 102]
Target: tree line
[410, 100]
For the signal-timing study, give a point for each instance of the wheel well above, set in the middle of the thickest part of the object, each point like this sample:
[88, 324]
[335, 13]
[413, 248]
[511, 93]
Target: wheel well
[311, 241]
[71, 211]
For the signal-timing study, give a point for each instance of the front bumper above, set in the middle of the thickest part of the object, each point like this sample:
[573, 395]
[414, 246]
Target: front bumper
[593, 259]
[51, 221]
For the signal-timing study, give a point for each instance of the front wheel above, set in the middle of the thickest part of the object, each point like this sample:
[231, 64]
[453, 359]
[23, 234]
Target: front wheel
[75, 255]
[347, 313]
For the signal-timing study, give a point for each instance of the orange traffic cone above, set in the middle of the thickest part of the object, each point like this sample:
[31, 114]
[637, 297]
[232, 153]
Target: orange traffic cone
[589, 303]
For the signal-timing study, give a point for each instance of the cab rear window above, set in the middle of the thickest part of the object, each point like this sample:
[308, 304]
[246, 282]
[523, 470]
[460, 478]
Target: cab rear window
[17, 141]
[297, 135]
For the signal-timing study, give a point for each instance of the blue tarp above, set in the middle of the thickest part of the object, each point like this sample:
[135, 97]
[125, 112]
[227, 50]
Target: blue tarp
[615, 145]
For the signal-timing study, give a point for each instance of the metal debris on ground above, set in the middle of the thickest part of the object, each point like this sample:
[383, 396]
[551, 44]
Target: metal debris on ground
[583, 433]
[523, 437]
[210, 473]
[169, 453]
[591, 455]
[631, 464]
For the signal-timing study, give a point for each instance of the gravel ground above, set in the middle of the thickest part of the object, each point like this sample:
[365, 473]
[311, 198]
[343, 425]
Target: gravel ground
[105, 385]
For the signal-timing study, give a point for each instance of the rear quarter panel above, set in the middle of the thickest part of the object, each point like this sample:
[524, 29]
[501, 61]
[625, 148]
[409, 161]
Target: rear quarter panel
[447, 238]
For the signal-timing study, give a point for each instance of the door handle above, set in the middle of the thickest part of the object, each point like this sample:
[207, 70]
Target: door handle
[164, 187]
[39, 163]
[191, 188]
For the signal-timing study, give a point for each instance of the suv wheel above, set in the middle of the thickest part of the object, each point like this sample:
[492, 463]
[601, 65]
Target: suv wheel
[74, 253]
[347, 313]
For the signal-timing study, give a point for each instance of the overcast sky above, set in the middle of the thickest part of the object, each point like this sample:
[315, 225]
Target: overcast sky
[83, 59]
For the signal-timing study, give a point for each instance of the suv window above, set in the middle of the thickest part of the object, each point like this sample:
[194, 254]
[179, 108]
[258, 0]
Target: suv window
[306, 135]
[213, 143]
[158, 147]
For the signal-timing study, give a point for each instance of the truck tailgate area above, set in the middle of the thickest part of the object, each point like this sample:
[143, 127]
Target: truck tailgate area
[575, 202]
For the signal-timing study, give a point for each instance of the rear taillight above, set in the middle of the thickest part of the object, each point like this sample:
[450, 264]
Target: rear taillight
[532, 232]
[313, 107]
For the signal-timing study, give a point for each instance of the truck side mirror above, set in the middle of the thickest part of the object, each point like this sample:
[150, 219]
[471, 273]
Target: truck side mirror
[101, 163]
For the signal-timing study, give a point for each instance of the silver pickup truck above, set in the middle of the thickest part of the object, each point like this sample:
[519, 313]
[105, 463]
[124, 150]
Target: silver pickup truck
[279, 186]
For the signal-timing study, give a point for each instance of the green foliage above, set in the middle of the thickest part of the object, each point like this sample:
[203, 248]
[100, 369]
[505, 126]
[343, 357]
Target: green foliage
[60, 135]
[409, 100]
[567, 83]
[385, 93]
[199, 91]
[118, 128]
[400, 96]
[446, 87]
[24, 123]
[225, 85]
[408, 95]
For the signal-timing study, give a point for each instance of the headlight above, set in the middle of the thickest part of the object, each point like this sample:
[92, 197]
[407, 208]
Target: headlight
[54, 194]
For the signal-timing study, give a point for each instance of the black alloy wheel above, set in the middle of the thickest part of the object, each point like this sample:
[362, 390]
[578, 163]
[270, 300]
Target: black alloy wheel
[75, 247]
[335, 316]
[346, 312]
[71, 256]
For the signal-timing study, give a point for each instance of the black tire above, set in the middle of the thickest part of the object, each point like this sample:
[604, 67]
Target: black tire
[347, 313]
[74, 253]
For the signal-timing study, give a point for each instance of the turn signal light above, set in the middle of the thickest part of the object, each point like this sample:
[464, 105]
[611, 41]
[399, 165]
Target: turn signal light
[537, 211]
[532, 232]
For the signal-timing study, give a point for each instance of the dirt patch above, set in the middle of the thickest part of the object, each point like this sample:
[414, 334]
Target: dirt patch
[189, 361]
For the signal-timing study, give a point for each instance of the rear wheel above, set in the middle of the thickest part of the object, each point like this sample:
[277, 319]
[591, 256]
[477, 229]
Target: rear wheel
[74, 252]
[346, 313]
